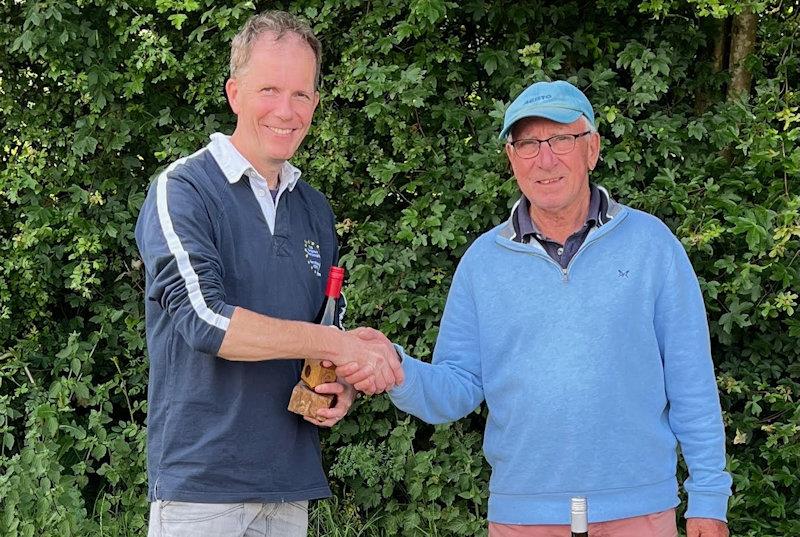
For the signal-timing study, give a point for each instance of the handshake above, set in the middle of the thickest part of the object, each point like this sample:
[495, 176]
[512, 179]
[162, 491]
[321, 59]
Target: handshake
[367, 360]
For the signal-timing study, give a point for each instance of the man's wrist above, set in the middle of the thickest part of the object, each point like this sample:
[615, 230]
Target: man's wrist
[322, 343]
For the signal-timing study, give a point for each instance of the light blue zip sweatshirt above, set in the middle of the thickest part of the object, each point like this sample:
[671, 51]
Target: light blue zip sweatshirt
[593, 375]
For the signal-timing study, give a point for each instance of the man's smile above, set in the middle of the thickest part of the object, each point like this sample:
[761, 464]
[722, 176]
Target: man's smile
[280, 131]
[548, 181]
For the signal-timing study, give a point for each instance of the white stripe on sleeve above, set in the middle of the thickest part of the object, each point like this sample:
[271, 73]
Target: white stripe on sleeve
[184, 265]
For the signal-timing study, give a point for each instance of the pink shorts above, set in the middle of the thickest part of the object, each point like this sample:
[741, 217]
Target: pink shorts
[656, 525]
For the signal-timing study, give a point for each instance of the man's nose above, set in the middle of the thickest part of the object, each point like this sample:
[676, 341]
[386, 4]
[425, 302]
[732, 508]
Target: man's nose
[283, 108]
[547, 159]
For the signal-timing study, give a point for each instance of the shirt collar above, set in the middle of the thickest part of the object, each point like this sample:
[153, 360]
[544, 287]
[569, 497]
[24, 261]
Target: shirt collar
[523, 223]
[234, 165]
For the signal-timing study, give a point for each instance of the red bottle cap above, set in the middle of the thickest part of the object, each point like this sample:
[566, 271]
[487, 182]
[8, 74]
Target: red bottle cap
[335, 278]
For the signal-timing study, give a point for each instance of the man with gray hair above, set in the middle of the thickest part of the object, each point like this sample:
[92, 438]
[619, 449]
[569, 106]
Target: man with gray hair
[236, 248]
[580, 323]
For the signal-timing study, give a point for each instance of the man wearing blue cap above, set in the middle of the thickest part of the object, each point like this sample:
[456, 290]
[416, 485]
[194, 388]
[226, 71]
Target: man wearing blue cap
[581, 324]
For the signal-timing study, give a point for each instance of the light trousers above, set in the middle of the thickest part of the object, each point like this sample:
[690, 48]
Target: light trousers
[186, 519]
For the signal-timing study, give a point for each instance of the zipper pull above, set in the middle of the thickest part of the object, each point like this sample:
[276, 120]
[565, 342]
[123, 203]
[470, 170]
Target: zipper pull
[564, 275]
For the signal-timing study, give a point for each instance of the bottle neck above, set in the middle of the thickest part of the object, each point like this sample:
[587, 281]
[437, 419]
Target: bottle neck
[579, 519]
[329, 315]
[333, 289]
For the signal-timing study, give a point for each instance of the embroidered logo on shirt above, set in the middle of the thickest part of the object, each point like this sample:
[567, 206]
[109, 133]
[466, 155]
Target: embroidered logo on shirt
[313, 257]
[623, 273]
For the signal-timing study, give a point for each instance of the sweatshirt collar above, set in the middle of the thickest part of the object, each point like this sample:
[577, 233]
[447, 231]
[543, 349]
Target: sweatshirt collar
[604, 207]
[234, 165]
[524, 226]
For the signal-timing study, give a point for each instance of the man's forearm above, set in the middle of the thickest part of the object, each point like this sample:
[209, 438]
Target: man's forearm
[252, 337]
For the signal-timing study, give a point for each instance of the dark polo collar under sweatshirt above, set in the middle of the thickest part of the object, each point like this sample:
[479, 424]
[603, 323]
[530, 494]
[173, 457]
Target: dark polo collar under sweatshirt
[525, 229]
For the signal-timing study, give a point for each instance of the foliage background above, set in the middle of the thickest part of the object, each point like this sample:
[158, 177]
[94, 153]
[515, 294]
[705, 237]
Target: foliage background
[97, 95]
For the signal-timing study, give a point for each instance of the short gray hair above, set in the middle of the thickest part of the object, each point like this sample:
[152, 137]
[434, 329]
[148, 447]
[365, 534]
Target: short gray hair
[586, 124]
[279, 23]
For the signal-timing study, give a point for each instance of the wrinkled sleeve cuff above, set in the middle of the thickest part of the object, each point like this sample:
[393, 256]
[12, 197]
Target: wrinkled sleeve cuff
[410, 366]
[218, 335]
[708, 505]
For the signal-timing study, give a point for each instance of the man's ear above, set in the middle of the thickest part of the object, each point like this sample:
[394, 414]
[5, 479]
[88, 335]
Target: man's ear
[594, 150]
[232, 91]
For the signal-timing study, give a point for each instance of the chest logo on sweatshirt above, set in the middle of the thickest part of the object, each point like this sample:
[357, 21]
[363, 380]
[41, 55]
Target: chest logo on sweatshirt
[623, 273]
[313, 257]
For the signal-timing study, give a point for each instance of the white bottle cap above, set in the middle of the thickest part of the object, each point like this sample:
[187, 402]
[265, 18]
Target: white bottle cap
[579, 519]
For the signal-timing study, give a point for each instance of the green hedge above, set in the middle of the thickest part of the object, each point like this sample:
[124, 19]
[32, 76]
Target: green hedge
[97, 95]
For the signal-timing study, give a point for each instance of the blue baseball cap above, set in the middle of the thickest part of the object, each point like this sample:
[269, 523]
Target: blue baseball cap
[557, 101]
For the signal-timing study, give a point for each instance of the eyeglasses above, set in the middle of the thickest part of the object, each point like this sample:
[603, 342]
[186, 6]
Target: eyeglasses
[560, 144]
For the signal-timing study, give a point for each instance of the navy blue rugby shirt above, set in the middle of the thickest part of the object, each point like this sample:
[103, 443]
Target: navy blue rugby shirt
[219, 430]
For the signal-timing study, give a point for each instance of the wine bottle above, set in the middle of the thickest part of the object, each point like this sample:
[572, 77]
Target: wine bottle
[314, 373]
[304, 400]
[579, 522]
[332, 293]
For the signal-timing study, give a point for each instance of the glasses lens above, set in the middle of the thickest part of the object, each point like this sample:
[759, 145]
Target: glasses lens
[527, 148]
[562, 144]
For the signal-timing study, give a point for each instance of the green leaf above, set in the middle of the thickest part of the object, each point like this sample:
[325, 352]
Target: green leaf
[177, 20]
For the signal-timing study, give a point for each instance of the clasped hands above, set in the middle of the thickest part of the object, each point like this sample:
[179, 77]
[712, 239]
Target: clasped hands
[368, 361]
[365, 361]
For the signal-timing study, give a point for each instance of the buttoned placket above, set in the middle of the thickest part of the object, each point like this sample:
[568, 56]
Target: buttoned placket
[561, 247]
[269, 208]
